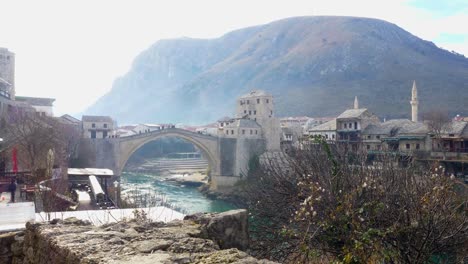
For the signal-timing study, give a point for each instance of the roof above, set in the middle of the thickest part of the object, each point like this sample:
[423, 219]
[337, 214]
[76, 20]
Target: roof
[396, 127]
[455, 127]
[70, 118]
[328, 126]
[255, 93]
[244, 122]
[352, 113]
[37, 101]
[90, 118]
[90, 171]
[151, 125]
[225, 119]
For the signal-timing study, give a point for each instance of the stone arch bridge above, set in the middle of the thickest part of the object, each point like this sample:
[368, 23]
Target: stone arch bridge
[228, 158]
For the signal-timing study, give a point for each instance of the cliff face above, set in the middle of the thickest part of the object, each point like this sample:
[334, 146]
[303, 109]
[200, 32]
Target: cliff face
[312, 65]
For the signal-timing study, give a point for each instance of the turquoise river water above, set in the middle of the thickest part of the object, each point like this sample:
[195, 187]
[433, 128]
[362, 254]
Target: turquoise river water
[187, 198]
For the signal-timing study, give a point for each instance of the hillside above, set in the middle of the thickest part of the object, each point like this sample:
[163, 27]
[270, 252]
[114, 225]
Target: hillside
[313, 66]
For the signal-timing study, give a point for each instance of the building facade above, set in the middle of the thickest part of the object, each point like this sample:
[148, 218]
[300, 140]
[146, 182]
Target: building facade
[7, 73]
[97, 126]
[259, 107]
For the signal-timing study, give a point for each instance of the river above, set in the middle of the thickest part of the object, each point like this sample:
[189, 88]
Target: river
[186, 198]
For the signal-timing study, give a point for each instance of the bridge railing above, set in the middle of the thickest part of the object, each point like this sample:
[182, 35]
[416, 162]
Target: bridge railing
[166, 130]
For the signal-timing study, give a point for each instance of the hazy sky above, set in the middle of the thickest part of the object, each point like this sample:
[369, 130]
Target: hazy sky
[73, 50]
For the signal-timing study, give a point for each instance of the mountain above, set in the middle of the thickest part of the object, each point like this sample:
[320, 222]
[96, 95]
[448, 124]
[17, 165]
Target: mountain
[312, 65]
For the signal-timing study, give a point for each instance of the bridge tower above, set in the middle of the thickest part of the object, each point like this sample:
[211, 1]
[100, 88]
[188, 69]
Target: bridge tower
[258, 105]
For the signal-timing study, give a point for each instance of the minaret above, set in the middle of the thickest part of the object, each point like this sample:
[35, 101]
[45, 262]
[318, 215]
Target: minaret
[414, 103]
[356, 103]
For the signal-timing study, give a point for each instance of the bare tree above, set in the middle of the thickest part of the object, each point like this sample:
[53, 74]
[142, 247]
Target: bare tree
[328, 204]
[438, 122]
[34, 137]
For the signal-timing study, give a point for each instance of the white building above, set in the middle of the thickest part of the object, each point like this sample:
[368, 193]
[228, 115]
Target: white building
[145, 128]
[97, 126]
[326, 130]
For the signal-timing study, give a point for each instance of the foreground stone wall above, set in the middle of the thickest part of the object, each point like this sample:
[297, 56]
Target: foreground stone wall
[200, 238]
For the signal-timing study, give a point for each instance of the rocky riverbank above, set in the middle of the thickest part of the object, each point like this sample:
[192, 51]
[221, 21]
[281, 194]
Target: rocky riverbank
[199, 238]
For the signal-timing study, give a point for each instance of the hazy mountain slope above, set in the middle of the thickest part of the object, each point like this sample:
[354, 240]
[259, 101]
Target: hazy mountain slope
[313, 65]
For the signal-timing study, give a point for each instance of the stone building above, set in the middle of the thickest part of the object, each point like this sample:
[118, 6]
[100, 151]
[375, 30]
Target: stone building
[326, 130]
[97, 126]
[242, 128]
[42, 106]
[7, 73]
[259, 106]
[397, 135]
[352, 121]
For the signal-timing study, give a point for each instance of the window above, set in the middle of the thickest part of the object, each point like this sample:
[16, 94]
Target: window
[345, 125]
[93, 134]
[256, 132]
[408, 146]
[326, 136]
[241, 102]
[243, 131]
[368, 137]
[417, 146]
[267, 101]
[350, 125]
[271, 112]
[93, 125]
[245, 111]
[378, 137]
[248, 101]
[227, 132]
[333, 136]
[104, 134]
[368, 147]
[379, 147]
[250, 112]
[355, 125]
[258, 101]
[251, 132]
[105, 125]
[232, 132]
[255, 112]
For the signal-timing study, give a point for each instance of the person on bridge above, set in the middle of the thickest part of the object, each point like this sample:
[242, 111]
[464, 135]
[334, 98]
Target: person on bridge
[12, 190]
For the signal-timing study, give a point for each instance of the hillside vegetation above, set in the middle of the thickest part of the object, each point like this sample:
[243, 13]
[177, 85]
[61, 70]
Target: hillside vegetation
[312, 65]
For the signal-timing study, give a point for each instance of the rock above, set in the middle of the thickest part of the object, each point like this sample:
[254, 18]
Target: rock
[193, 245]
[17, 248]
[72, 241]
[228, 229]
[75, 221]
[153, 245]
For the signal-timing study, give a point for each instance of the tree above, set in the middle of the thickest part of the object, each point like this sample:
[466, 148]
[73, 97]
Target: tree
[438, 122]
[328, 204]
[34, 136]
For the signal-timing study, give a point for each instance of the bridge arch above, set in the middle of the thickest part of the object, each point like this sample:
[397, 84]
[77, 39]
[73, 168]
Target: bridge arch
[208, 145]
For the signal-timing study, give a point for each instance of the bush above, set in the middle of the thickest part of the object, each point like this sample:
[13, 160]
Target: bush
[324, 203]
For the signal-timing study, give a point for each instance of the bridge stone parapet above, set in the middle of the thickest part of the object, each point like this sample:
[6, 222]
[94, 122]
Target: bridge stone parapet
[228, 158]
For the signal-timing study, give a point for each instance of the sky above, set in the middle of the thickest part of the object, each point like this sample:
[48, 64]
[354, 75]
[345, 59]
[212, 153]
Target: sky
[74, 50]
